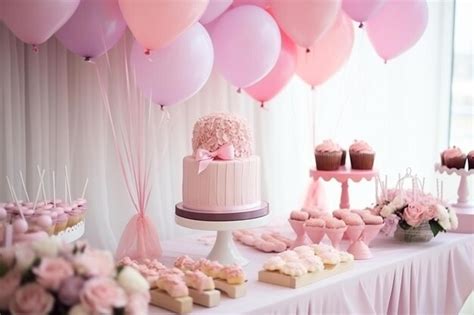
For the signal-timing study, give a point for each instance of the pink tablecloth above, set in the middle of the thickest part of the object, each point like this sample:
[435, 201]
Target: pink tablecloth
[402, 278]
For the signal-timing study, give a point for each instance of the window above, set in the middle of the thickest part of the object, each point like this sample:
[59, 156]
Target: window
[462, 89]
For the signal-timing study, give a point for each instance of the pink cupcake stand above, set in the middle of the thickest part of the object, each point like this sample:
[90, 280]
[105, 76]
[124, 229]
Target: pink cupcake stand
[343, 175]
[464, 206]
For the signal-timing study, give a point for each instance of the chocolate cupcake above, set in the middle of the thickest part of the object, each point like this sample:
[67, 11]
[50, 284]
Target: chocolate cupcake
[362, 156]
[470, 160]
[454, 158]
[328, 156]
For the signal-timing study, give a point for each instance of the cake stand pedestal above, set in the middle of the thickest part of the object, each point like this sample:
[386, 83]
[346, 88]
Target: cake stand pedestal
[464, 207]
[73, 233]
[224, 250]
[342, 176]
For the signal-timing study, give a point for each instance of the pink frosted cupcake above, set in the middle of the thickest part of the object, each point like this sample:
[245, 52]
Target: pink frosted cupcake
[373, 225]
[315, 229]
[328, 156]
[334, 229]
[453, 158]
[299, 215]
[470, 160]
[61, 223]
[352, 219]
[75, 216]
[362, 155]
[340, 213]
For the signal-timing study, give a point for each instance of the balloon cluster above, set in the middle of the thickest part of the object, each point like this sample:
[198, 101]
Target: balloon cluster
[257, 45]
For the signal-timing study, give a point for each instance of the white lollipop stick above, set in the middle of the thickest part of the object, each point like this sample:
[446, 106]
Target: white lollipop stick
[54, 189]
[38, 191]
[85, 188]
[442, 185]
[376, 191]
[13, 194]
[24, 186]
[68, 183]
[42, 182]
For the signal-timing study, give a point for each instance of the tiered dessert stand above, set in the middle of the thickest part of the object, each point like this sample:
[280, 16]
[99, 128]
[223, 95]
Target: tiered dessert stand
[464, 207]
[224, 249]
[342, 176]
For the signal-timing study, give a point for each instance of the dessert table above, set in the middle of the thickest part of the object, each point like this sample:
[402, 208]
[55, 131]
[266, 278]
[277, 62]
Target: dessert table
[402, 278]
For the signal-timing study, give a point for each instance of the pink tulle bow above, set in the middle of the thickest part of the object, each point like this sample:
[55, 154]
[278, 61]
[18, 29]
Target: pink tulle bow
[225, 152]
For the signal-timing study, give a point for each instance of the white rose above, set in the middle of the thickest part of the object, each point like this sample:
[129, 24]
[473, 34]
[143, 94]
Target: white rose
[24, 257]
[398, 202]
[442, 213]
[445, 224]
[387, 210]
[453, 218]
[132, 281]
[47, 247]
[78, 309]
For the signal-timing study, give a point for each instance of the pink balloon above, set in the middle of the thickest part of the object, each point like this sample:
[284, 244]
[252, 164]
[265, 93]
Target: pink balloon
[176, 72]
[264, 4]
[34, 22]
[94, 28]
[328, 54]
[361, 10]
[305, 21]
[156, 23]
[247, 43]
[265, 89]
[397, 27]
[214, 9]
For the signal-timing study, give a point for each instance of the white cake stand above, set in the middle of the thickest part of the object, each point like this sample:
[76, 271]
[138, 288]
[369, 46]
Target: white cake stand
[224, 250]
[464, 205]
[73, 233]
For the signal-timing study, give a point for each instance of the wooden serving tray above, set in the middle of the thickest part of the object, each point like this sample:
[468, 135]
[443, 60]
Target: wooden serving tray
[182, 305]
[234, 291]
[210, 298]
[277, 278]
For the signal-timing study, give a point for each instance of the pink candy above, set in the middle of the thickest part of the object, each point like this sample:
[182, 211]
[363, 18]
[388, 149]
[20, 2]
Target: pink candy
[20, 226]
[299, 215]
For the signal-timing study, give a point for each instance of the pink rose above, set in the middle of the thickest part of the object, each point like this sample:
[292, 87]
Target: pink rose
[8, 284]
[69, 290]
[430, 212]
[101, 295]
[52, 271]
[31, 299]
[95, 263]
[138, 303]
[414, 214]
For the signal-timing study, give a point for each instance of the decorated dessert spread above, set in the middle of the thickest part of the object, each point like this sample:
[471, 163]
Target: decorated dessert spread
[222, 175]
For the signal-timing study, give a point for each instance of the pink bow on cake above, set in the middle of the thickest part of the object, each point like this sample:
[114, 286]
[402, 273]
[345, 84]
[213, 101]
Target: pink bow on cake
[225, 152]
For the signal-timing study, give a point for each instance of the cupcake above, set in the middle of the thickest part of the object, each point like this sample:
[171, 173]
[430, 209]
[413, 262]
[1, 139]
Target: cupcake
[453, 158]
[352, 219]
[328, 156]
[340, 213]
[470, 160]
[334, 229]
[362, 155]
[61, 223]
[315, 229]
[299, 215]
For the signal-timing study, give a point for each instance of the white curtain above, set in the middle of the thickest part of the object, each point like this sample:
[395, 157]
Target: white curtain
[51, 114]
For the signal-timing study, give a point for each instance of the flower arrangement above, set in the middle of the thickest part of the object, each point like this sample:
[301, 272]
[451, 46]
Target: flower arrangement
[48, 277]
[413, 211]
